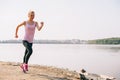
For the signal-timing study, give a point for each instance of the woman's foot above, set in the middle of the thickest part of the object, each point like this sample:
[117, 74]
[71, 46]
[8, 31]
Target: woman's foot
[24, 67]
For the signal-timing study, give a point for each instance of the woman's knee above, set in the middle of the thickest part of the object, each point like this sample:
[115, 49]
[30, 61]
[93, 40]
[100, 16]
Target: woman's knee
[30, 51]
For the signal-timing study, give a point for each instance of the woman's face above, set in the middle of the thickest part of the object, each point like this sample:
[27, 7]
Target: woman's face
[31, 15]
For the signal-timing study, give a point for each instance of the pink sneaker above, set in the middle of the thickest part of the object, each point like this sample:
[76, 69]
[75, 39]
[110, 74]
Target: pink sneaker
[23, 67]
[26, 67]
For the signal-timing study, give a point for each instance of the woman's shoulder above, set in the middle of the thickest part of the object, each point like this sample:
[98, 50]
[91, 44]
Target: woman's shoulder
[35, 22]
[24, 22]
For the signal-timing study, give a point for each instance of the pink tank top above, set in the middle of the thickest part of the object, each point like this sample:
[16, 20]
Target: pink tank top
[29, 32]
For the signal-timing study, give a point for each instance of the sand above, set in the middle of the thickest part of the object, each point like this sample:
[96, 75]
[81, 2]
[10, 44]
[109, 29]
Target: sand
[12, 71]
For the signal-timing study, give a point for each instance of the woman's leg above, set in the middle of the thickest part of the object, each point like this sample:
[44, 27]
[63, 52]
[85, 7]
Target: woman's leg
[28, 51]
[25, 55]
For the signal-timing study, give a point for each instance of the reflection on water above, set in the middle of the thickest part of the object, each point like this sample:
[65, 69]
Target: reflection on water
[113, 48]
[100, 59]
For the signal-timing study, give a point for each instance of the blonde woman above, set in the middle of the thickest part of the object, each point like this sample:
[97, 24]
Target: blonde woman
[30, 25]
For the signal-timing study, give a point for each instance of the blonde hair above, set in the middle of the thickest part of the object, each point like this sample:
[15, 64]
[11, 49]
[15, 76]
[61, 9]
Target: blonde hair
[31, 11]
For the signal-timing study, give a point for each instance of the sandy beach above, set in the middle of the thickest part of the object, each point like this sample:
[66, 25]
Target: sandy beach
[12, 71]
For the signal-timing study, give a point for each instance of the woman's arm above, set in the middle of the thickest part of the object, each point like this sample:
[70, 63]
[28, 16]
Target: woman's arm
[39, 27]
[16, 32]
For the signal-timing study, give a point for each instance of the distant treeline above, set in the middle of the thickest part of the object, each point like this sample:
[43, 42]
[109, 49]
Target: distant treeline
[73, 41]
[105, 41]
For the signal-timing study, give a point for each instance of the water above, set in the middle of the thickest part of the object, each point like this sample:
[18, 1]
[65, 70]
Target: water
[99, 59]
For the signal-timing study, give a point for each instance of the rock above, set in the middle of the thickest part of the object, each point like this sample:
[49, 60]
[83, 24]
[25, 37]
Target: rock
[90, 76]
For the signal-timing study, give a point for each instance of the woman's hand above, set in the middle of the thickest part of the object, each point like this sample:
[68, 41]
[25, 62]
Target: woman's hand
[16, 36]
[42, 23]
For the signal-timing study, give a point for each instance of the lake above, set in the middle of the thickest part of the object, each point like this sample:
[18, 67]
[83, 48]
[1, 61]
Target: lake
[99, 59]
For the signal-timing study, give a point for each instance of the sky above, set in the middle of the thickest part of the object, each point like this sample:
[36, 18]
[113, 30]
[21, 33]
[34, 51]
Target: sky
[63, 19]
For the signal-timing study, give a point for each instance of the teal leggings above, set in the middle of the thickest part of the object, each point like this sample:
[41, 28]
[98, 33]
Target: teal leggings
[28, 51]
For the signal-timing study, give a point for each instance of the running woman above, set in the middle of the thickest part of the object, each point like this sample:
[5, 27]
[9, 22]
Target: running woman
[30, 25]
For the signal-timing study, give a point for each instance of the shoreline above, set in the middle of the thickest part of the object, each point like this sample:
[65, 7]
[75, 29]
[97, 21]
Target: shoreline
[12, 71]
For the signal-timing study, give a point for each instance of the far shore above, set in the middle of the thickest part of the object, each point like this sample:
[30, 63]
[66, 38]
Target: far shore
[110, 41]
